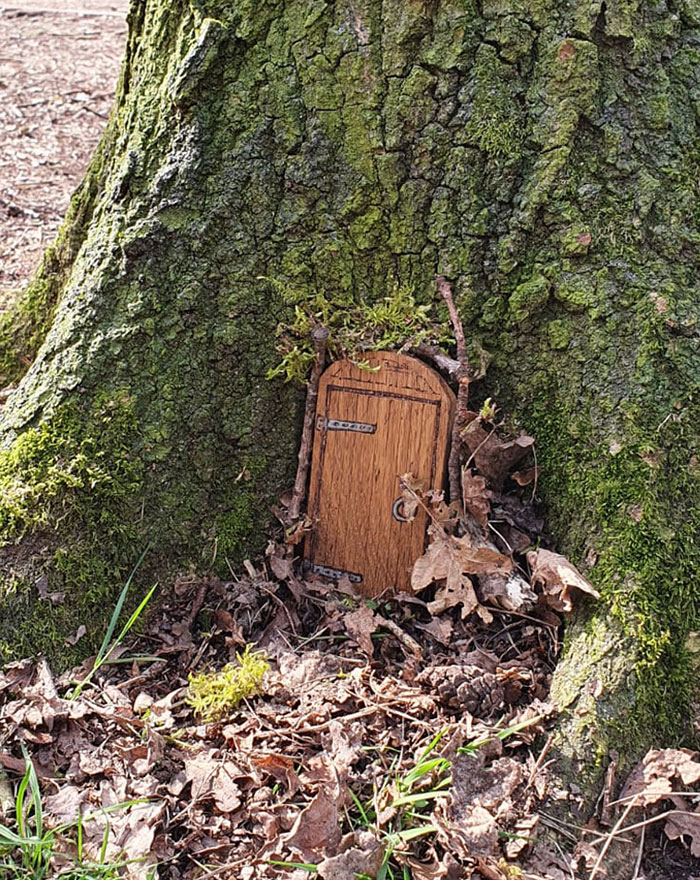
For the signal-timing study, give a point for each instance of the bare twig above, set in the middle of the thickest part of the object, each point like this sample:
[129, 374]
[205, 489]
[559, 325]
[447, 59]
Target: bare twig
[606, 809]
[407, 641]
[640, 854]
[320, 338]
[609, 839]
[463, 373]
[540, 760]
[439, 358]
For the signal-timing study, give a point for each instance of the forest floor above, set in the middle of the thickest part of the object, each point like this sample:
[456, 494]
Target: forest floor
[386, 739]
[58, 70]
[372, 740]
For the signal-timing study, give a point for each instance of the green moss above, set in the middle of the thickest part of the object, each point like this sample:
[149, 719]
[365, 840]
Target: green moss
[559, 334]
[576, 240]
[49, 472]
[394, 322]
[496, 124]
[528, 298]
[215, 695]
[69, 499]
[235, 527]
[645, 542]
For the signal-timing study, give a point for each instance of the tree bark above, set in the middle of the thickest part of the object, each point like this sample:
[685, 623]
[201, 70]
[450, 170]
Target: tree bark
[542, 155]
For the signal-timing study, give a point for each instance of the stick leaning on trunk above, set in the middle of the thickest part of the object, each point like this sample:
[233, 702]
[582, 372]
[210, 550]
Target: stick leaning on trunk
[319, 335]
[463, 376]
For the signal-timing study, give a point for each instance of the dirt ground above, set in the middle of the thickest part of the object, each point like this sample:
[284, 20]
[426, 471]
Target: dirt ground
[59, 64]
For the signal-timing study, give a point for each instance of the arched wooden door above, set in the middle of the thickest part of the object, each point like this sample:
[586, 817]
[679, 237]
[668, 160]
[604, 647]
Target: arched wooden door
[372, 426]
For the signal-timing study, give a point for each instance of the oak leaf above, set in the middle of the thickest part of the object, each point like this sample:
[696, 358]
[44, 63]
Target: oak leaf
[449, 557]
[475, 496]
[652, 779]
[559, 578]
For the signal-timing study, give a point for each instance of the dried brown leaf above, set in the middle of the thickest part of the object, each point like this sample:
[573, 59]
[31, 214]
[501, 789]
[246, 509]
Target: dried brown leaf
[523, 836]
[652, 779]
[449, 596]
[476, 497]
[360, 624]
[316, 831]
[440, 629]
[479, 798]
[448, 557]
[511, 592]
[493, 456]
[524, 478]
[559, 578]
[280, 768]
[411, 491]
[280, 566]
[361, 855]
[214, 777]
[685, 824]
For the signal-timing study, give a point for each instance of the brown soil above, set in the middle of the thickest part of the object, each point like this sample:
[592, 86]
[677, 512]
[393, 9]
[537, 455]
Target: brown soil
[58, 71]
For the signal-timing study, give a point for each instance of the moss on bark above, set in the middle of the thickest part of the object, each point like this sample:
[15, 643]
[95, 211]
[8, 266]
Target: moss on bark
[542, 155]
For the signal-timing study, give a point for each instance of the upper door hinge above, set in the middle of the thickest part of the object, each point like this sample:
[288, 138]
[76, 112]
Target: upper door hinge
[324, 424]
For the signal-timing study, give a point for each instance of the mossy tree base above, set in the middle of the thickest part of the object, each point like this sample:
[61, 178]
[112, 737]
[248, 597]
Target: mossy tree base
[542, 155]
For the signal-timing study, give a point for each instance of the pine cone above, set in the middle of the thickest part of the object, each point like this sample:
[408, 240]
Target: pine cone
[474, 690]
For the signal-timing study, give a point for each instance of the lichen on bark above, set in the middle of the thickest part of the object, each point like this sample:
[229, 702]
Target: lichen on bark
[543, 156]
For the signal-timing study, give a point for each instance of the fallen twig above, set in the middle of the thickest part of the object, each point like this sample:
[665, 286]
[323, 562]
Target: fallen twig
[439, 358]
[606, 809]
[320, 338]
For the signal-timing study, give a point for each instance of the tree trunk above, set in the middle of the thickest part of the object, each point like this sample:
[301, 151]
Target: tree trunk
[542, 155]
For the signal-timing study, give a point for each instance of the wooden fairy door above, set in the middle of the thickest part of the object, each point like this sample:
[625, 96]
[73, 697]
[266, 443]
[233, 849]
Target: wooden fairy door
[372, 426]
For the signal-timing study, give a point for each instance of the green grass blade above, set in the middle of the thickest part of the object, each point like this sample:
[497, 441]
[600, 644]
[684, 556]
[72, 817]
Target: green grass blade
[135, 616]
[301, 865]
[418, 797]
[429, 748]
[423, 769]
[412, 833]
[19, 801]
[120, 604]
[358, 804]
[471, 747]
[35, 792]
[105, 841]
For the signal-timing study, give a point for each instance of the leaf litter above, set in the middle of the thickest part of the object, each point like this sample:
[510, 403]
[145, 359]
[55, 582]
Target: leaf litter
[392, 737]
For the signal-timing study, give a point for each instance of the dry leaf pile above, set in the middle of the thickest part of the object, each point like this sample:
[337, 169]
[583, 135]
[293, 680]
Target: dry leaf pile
[398, 732]
[355, 694]
[476, 543]
[326, 765]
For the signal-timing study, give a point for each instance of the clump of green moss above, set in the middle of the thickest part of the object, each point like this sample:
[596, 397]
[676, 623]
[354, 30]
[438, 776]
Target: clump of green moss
[496, 124]
[213, 695]
[70, 504]
[395, 322]
[49, 472]
[528, 298]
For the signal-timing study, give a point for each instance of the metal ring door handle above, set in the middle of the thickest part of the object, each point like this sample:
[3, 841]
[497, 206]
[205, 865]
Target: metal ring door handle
[396, 511]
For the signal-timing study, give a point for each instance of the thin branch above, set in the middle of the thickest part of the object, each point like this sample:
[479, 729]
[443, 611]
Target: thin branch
[608, 788]
[617, 828]
[439, 358]
[319, 336]
[463, 374]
